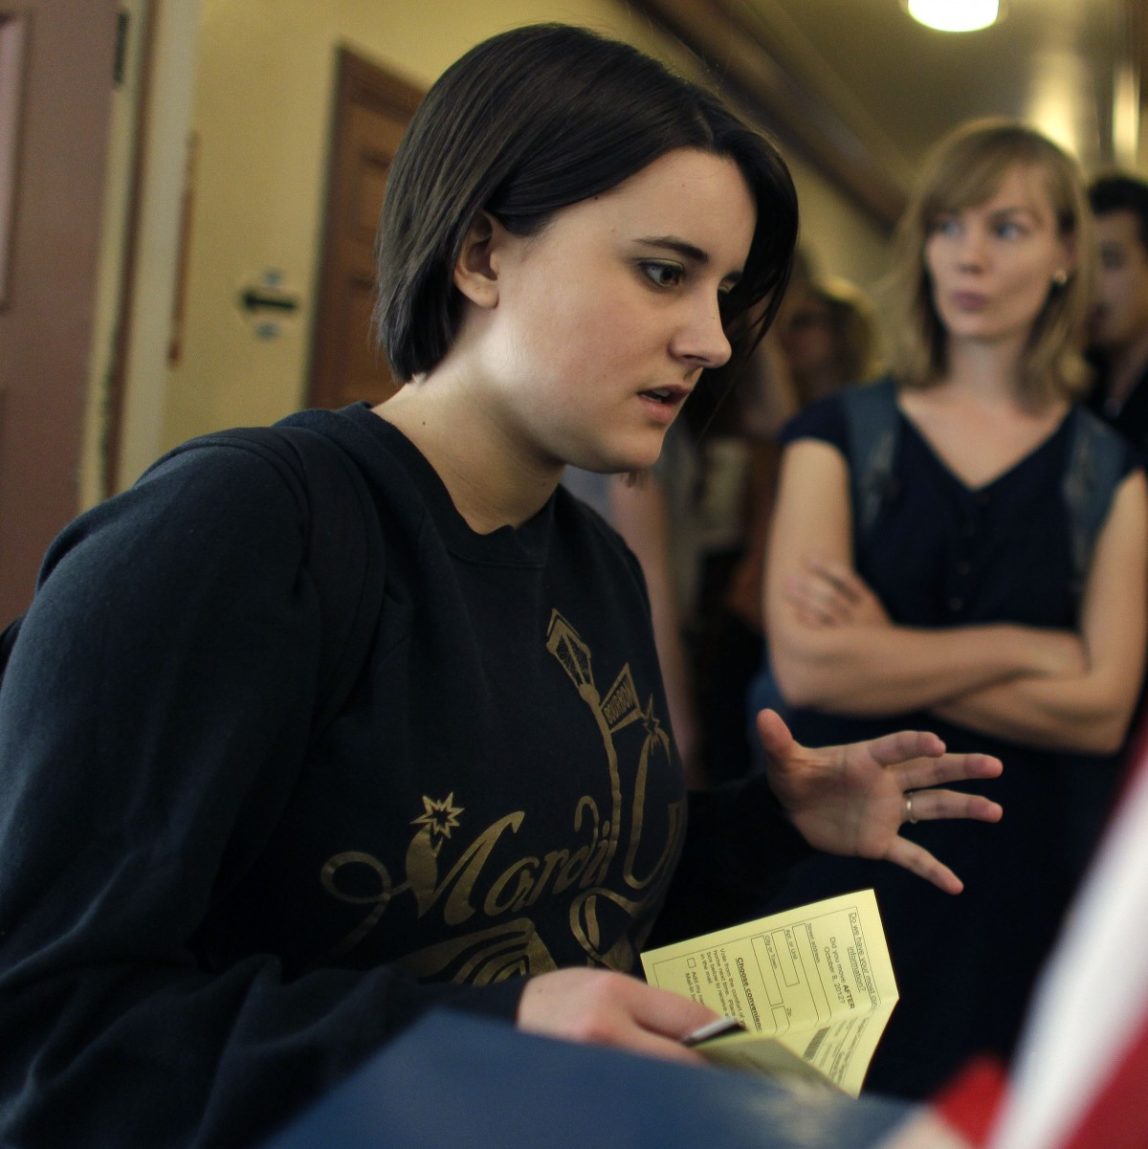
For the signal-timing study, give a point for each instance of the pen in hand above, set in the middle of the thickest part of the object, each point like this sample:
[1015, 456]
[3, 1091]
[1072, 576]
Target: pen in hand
[719, 1028]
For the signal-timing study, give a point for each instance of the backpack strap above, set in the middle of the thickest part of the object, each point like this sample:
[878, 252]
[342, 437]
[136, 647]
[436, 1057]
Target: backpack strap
[1095, 466]
[874, 430]
[344, 549]
[7, 641]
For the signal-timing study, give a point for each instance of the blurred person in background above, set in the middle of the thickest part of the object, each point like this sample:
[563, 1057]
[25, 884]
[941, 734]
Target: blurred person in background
[1119, 335]
[829, 338]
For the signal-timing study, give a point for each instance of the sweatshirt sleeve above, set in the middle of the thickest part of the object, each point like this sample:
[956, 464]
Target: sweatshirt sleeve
[738, 848]
[152, 718]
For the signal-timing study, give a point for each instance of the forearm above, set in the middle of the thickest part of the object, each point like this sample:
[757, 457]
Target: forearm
[1086, 713]
[1089, 710]
[870, 670]
[862, 663]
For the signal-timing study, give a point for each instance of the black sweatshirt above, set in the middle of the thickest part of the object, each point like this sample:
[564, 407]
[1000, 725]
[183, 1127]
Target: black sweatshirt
[208, 918]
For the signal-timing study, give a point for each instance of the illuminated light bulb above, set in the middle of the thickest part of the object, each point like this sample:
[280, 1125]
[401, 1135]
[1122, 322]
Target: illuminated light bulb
[955, 15]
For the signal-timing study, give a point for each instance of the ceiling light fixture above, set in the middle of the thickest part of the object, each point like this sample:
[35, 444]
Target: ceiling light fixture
[955, 15]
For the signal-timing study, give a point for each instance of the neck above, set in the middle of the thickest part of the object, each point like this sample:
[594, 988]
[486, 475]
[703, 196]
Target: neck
[489, 480]
[990, 371]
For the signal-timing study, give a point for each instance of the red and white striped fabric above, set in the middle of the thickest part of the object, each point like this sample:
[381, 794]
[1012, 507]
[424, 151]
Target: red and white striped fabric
[1081, 1078]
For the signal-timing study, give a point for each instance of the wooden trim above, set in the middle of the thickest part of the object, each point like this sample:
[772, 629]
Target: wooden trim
[13, 41]
[358, 81]
[373, 84]
[183, 257]
[117, 372]
[736, 49]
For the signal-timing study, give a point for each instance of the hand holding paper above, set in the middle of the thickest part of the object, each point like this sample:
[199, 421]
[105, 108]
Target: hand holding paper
[852, 799]
[813, 986]
[615, 1009]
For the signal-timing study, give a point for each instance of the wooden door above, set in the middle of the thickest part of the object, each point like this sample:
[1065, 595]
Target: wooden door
[372, 110]
[49, 322]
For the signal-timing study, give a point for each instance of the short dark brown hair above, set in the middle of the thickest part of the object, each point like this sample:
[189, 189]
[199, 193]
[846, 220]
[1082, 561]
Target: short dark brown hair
[537, 119]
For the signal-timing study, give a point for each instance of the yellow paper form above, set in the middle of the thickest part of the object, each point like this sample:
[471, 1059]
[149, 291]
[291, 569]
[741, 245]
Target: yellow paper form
[813, 986]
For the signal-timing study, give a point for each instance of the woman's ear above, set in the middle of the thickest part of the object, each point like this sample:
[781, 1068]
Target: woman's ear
[475, 271]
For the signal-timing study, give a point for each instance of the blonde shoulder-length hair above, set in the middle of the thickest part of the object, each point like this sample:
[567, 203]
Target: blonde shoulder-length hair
[964, 170]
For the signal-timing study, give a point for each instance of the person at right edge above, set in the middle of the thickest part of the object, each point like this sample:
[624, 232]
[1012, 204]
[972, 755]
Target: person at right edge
[963, 545]
[1119, 334]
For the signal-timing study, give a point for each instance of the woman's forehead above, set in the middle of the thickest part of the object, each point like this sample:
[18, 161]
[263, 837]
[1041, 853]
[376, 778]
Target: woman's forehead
[696, 196]
[1021, 184]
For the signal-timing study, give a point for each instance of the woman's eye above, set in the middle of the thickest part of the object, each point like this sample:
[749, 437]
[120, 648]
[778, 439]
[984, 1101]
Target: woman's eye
[663, 274]
[1009, 229]
[945, 225]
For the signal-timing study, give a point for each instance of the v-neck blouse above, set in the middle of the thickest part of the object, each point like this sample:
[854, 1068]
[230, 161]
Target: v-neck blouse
[942, 553]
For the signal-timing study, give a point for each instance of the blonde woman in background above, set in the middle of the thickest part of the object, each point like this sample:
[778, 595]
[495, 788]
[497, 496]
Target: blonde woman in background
[984, 578]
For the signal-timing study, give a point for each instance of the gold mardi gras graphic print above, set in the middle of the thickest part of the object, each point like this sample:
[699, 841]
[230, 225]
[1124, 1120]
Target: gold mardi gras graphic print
[493, 935]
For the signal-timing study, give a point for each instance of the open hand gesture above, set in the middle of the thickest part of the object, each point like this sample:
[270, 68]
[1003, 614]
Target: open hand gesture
[854, 799]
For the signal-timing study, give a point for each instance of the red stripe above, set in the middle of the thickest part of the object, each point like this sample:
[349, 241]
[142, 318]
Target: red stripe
[970, 1102]
[1118, 1115]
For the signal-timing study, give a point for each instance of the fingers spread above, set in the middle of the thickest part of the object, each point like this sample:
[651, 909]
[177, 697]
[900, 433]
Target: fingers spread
[917, 860]
[929, 805]
[938, 771]
[902, 748]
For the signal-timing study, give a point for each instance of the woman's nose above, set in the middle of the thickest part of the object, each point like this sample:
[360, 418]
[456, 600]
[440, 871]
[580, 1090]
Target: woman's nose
[702, 339]
[971, 247]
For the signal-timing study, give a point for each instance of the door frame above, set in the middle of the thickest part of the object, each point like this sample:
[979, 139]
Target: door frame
[358, 81]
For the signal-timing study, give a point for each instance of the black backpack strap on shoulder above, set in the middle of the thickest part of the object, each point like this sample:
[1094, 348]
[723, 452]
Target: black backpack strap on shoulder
[874, 431]
[7, 641]
[344, 549]
[1095, 465]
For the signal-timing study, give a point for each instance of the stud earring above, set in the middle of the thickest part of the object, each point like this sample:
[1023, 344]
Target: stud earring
[1060, 278]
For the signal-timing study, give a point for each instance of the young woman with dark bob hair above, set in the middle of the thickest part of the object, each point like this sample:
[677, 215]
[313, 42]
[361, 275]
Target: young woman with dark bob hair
[975, 561]
[213, 907]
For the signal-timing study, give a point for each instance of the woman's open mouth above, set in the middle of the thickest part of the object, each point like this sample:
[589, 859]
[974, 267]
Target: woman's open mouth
[667, 396]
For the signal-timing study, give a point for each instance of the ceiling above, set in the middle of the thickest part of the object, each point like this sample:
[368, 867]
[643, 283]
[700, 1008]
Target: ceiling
[862, 91]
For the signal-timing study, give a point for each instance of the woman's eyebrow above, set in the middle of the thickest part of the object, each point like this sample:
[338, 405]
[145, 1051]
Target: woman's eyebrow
[1015, 209]
[672, 243]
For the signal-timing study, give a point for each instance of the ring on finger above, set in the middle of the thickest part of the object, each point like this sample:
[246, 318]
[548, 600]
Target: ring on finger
[909, 809]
